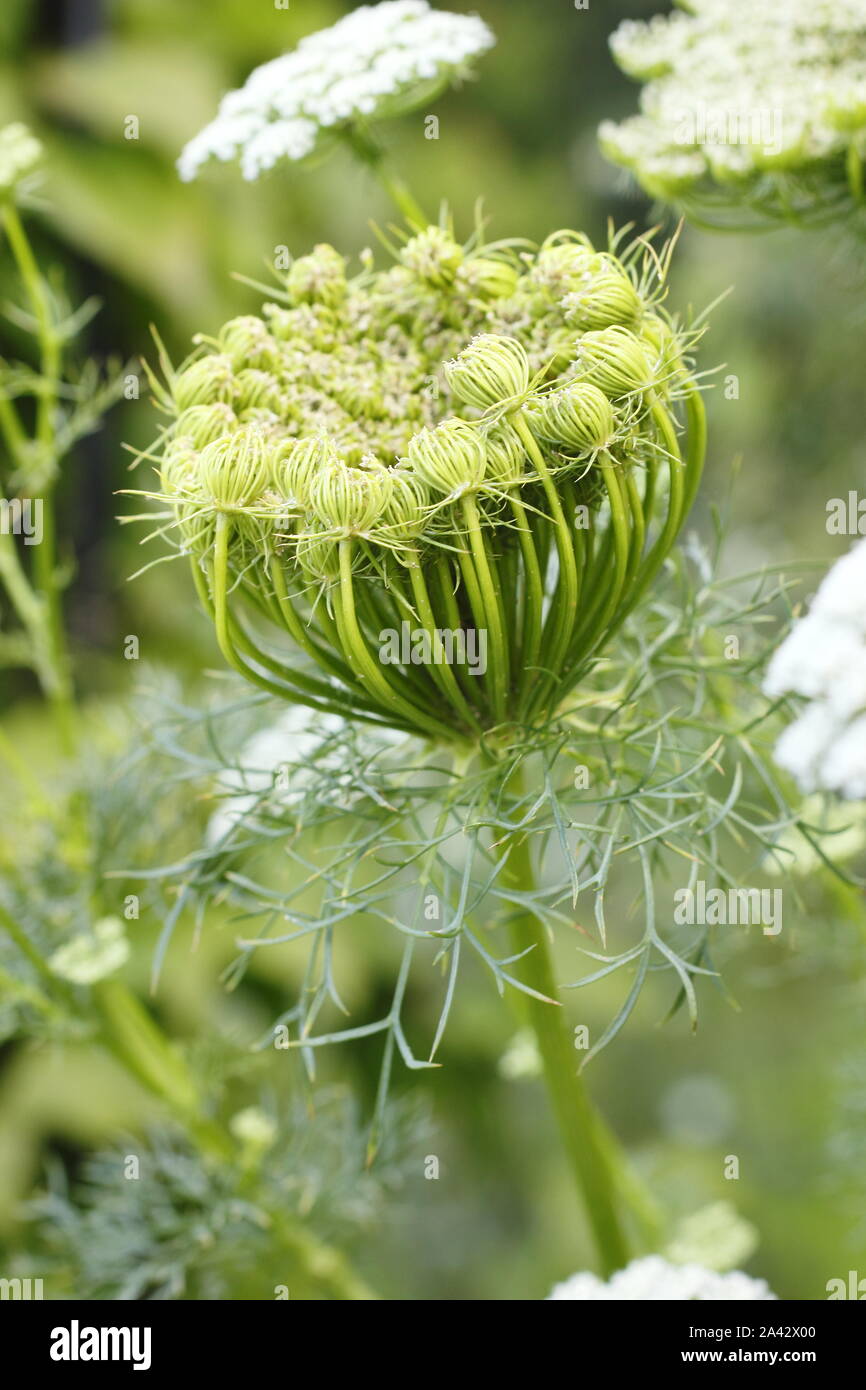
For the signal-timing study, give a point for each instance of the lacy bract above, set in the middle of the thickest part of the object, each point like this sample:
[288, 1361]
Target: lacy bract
[445, 482]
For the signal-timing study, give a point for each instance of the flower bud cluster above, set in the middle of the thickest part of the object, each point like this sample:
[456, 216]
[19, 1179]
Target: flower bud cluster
[410, 426]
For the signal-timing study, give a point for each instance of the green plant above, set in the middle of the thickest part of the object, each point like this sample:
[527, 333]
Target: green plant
[44, 411]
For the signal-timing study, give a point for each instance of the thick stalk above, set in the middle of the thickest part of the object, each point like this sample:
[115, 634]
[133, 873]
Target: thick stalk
[587, 1143]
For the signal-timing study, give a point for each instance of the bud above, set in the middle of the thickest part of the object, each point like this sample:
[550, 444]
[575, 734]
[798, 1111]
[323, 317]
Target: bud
[449, 458]
[247, 343]
[298, 463]
[257, 390]
[179, 481]
[319, 278]
[179, 467]
[348, 499]
[607, 299]
[205, 381]
[404, 518]
[560, 347]
[563, 266]
[579, 417]
[486, 278]
[236, 469]
[202, 424]
[615, 361]
[661, 341]
[270, 426]
[318, 554]
[490, 370]
[361, 396]
[506, 455]
[19, 153]
[434, 256]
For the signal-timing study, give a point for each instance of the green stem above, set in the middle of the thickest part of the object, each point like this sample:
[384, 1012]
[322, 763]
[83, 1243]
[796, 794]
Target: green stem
[491, 601]
[368, 669]
[593, 1158]
[563, 612]
[372, 156]
[441, 671]
[59, 687]
[32, 953]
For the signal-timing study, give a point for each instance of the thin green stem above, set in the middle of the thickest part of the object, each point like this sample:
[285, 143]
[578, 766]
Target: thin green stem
[491, 599]
[368, 669]
[441, 671]
[563, 613]
[59, 686]
[370, 153]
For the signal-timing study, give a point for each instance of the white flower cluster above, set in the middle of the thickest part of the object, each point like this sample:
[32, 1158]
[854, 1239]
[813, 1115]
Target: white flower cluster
[653, 1279]
[824, 659]
[736, 93]
[378, 61]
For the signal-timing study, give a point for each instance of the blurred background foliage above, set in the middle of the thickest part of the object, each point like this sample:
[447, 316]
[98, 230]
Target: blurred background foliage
[777, 1081]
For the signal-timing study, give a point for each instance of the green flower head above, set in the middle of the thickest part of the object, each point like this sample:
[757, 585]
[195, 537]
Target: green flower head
[408, 445]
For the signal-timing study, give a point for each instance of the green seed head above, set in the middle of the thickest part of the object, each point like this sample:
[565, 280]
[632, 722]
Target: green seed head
[450, 459]
[297, 464]
[434, 256]
[606, 299]
[257, 390]
[486, 278]
[247, 342]
[319, 278]
[506, 455]
[491, 369]
[663, 347]
[404, 518]
[202, 424]
[178, 472]
[318, 554]
[615, 360]
[205, 382]
[579, 418]
[180, 483]
[563, 266]
[236, 469]
[350, 500]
